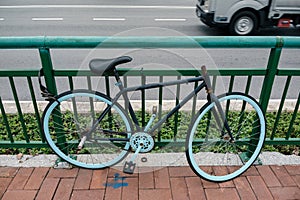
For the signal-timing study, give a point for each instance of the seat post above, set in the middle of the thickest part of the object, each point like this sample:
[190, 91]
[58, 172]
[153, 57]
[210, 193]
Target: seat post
[125, 96]
[117, 76]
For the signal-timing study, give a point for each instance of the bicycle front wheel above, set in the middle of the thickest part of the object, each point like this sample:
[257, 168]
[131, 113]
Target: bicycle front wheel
[67, 125]
[212, 152]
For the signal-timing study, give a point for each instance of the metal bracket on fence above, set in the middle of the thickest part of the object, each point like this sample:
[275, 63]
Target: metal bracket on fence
[44, 91]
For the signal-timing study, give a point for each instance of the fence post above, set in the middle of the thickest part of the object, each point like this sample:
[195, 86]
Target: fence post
[48, 70]
[267, 86]
[272, 67]
[51, 86]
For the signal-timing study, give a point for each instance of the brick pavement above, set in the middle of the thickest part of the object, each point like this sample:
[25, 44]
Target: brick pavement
[259, 182]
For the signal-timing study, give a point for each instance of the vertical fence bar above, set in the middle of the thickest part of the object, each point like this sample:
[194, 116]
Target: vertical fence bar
[71, 84]
[89, 83]
[143, 102]
[5, 121]
[160, 102]
[214, 82]
[229, 90]
[125, 82]
[287, 84]
[272, 67]
[248, 84]
[242, 115]
[176, 115]
[21, 117]
[107, 86]
[36, 110]
[288, 134]
[231, 83]
[194, 102]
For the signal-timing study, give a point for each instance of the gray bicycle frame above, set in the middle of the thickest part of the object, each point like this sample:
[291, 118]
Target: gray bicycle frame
[205, 84]
[124, 91]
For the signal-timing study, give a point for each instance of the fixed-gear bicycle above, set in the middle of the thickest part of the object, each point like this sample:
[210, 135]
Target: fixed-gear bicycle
[88, 129]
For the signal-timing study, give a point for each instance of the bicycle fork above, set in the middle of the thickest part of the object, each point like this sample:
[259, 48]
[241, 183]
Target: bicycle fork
[221, 120]
[218, 113]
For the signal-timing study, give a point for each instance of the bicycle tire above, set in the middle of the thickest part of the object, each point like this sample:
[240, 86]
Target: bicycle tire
[72, 114]
[210, 152]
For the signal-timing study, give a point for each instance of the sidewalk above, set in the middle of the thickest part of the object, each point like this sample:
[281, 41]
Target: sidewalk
[259, 182]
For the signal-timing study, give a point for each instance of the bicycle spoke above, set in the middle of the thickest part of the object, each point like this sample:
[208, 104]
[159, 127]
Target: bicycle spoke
[70, 123]
[244, 118]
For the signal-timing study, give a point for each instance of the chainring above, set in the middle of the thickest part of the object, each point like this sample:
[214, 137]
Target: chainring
[142, 139]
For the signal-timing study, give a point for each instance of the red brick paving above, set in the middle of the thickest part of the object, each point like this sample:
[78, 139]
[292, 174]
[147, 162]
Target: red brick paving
[64, 189]
[244, 189]
[260, 182]
[195, 188]
[259, 187]
[178, 188]
[21, 178]
[284, 178]
[47, 189]
[83, 179]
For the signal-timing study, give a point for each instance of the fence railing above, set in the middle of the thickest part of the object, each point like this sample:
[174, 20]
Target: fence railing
[17, 132]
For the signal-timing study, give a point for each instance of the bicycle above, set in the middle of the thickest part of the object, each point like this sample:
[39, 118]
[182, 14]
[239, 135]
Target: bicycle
[88, 129]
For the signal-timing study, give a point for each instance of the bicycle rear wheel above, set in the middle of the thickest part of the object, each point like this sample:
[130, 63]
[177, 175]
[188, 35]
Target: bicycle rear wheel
[68, 120]
[210, 151]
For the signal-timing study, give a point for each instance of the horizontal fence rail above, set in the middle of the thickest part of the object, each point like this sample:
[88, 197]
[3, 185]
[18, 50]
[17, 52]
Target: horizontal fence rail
[22, 131]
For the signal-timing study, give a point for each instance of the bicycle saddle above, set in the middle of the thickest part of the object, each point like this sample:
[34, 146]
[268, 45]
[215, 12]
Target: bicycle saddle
[100, 66]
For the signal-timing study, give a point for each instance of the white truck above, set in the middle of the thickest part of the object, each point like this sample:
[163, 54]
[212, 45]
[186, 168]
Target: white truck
[244, 17]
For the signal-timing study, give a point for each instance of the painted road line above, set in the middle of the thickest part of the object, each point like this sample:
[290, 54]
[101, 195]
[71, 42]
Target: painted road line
[101, 6]
[108, 19]
[47, 19]
[169, 20]
[2, 19]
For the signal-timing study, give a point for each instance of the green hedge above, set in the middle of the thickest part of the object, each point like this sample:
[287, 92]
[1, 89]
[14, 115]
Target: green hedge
[166, 131]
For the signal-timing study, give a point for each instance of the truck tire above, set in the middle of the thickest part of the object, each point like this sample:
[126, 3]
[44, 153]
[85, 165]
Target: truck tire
[243, 23]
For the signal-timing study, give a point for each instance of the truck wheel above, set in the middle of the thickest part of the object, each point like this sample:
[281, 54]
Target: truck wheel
[243, 23]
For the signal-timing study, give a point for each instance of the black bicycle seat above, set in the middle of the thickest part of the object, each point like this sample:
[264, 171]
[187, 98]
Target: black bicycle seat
[100, 66]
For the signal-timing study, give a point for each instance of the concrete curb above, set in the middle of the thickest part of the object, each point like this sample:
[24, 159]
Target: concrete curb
[153, 159]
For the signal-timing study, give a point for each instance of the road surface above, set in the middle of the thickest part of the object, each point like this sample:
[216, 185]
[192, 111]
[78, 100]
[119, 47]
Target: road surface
[108, 18]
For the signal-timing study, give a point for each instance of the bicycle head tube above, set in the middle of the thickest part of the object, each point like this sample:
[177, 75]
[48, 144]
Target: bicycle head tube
[206, 78]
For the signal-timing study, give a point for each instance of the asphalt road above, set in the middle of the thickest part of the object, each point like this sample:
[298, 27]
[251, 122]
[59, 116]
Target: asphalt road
[33, 17]
[108, 18]
[95, 17]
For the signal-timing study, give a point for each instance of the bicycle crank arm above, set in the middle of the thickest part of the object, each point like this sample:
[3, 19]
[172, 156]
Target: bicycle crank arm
[130, 166]
[154, 111]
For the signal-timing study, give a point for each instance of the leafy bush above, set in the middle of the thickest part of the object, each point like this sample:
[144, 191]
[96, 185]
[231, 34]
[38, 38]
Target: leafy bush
[166, 131]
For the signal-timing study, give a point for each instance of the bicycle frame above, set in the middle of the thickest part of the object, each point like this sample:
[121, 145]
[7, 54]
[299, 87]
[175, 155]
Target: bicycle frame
[124, 91]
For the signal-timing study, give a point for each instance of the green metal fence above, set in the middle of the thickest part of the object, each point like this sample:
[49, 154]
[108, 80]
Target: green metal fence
[21, 134]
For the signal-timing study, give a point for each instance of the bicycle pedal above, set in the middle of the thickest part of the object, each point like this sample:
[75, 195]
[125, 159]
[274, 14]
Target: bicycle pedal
[129, 167]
